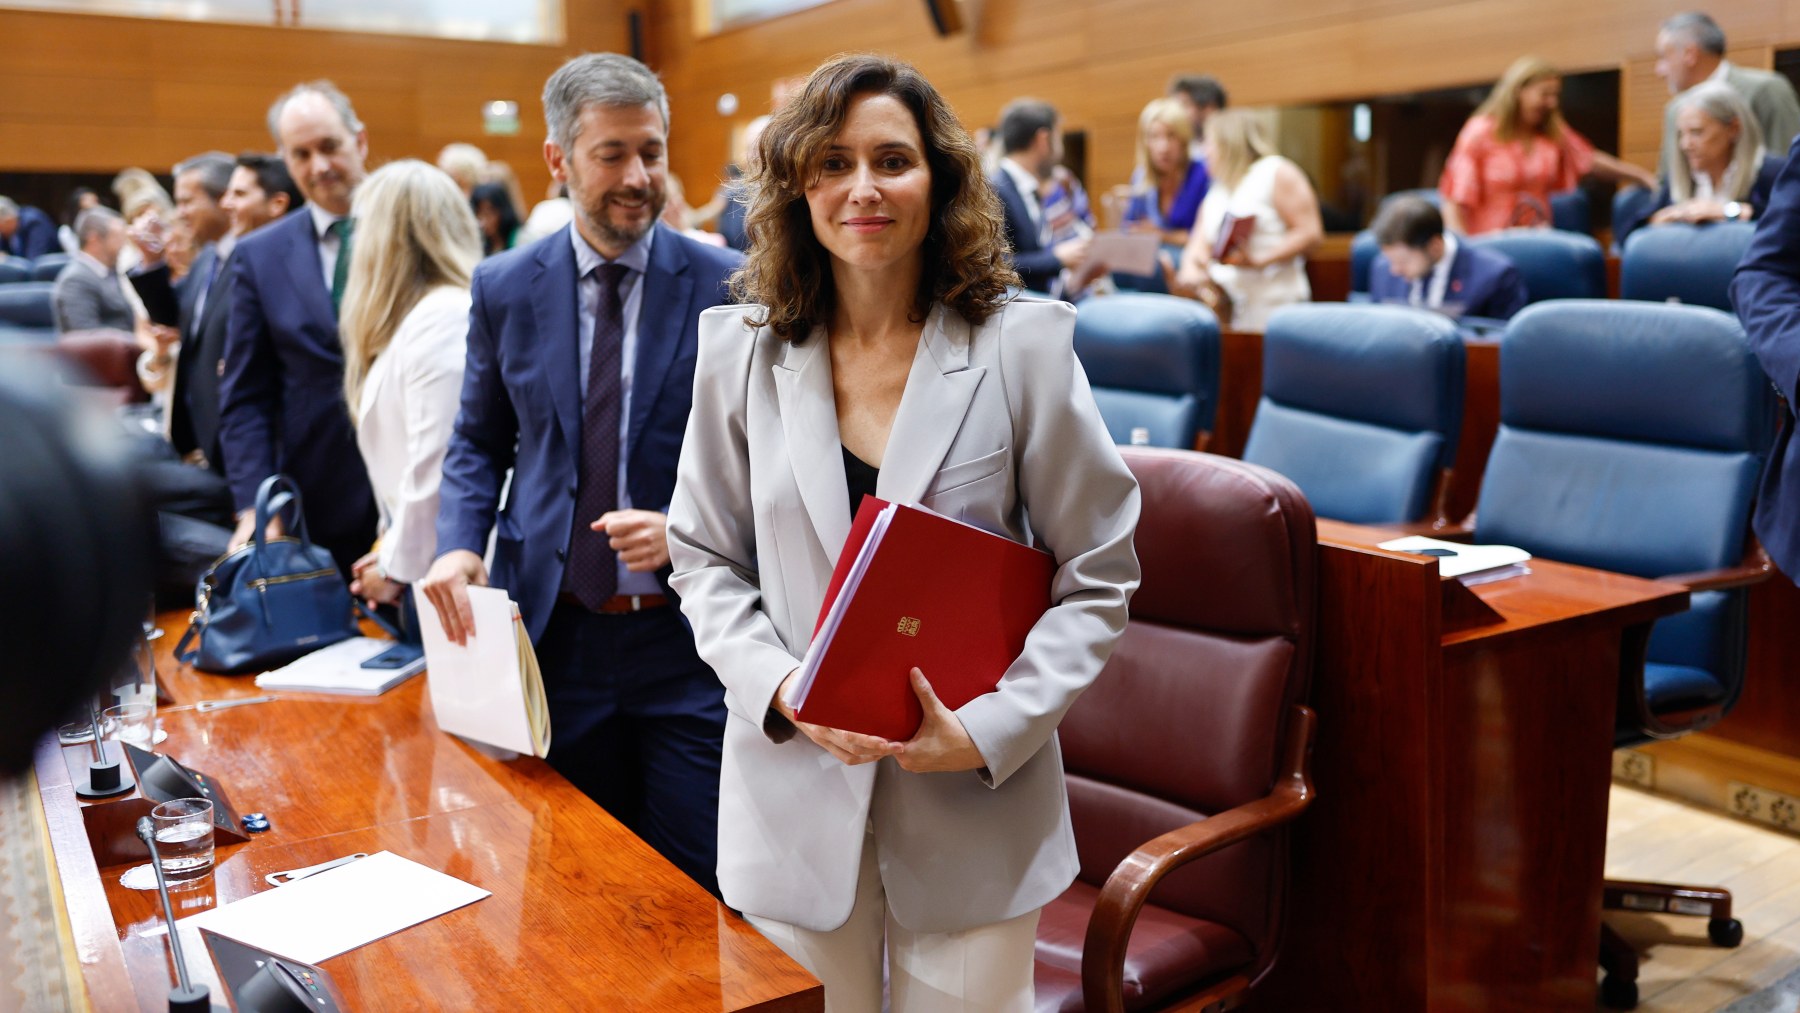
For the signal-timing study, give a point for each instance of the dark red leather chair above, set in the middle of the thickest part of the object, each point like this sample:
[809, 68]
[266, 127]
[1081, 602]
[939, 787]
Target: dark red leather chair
[102, 359]
[1189, 753]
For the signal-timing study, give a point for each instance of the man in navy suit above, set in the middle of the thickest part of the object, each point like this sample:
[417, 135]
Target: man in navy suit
[1766, 293]
[25, 231]
[282, 392]
[580, 376]
[1422, 265]
[1031, 144]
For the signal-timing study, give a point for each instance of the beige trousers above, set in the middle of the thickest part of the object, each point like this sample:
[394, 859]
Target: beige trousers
[986, 969]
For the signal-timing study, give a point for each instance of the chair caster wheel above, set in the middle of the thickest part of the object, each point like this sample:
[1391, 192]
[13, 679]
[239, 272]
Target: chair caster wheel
[1618, 993]
[1726, 932]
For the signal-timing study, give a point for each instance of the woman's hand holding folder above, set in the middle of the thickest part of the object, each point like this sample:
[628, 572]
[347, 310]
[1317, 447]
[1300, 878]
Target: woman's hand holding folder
[940, 745]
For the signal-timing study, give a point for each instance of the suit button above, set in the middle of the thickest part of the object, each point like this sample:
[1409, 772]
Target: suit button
[562, 555]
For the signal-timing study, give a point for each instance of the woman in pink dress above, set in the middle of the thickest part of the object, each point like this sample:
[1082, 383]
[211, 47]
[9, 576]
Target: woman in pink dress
[1516, 151]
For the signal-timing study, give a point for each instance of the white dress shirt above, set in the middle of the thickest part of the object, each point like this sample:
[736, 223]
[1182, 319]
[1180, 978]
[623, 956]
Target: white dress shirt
[328, 241]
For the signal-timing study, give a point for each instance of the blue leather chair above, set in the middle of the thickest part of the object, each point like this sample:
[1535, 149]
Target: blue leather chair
[1555, 264]
[1569, 211]
[1684, 263]
[1632, 436]
[14, 270]
[1630, 204]
[1361, 408]
[26, 313]
[48, 266]
[1153, 361]
[1363, 251]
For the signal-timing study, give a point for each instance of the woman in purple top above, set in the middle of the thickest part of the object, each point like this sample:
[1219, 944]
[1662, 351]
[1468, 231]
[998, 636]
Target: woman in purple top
[1168, 185]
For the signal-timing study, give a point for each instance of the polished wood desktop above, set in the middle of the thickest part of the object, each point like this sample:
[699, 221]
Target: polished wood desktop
[583, 916]
[1453, 858]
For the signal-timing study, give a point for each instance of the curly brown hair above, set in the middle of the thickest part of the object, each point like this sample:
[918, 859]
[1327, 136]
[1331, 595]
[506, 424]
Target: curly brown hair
[967, 265]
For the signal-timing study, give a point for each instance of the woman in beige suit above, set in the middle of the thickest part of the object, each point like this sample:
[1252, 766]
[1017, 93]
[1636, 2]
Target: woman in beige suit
[880, 354]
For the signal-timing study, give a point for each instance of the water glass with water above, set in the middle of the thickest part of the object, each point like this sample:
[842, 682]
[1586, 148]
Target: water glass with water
[184, 836]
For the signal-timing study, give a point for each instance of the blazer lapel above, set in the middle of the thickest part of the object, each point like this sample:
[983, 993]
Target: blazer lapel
[809, 422]
[938, 392]
[558, 330]
[662, 316]
[308, 271]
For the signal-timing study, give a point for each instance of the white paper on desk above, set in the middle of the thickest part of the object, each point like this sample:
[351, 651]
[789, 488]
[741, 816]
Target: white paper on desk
[488, 689]
[340, 909]
[1129, 252]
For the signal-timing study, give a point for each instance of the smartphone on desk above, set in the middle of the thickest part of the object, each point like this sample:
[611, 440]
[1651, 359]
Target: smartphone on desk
[397, 656]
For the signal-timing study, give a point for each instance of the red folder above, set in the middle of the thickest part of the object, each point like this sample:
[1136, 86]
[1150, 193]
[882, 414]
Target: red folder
[948, 598]
[1233, 233]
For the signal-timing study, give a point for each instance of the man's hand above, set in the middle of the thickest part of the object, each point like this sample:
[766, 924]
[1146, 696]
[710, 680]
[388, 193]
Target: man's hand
[446, 586]
[370, 584]
[156, 339]
[246, 529]
[850, 748]
[640, 537]
[941, 744]
[1071, 252]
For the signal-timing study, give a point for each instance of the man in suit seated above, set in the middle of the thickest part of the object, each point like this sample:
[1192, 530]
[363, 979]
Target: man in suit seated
[1690, 50]
[282, 393]
[89, 295]
[1766, 294]
[1422, 265]
[1031, 147]
[25, 231]
[580, 376]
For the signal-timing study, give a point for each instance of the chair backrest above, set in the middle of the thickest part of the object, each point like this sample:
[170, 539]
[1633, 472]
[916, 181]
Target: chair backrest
[1630, 204]
[1569, 211]
[1554, 264]
[1153, 361]
[1632, 437]
[27, 304]
[48, 266]
[1684, 263]
[1361, 407]
[1363, 251]
[12, 270]
[1187, 719]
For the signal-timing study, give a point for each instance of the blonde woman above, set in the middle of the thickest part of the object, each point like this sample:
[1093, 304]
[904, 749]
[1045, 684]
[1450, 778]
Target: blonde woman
[1250, 180]
[1516, 151]
[405, 323]
[1168, 185]
[1724, 172]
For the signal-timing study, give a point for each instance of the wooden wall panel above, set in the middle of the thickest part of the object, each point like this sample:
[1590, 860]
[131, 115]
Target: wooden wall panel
[85, 93]
[1101, 60]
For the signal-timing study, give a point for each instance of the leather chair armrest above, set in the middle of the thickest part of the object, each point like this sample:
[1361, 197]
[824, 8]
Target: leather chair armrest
[1123, 896]
[1755, 569]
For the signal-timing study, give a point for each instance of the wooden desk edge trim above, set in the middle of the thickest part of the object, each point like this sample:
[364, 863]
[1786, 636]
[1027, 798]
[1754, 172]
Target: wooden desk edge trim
[78, 888]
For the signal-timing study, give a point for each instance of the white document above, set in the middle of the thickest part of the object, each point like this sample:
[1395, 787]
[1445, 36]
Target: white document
[1471, 564]
[815, 651]
[338, 669]
[338, 910]
[488, 689]
[1130, 252]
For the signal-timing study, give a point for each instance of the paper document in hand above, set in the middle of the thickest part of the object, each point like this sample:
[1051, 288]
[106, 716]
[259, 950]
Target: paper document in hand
[324, 915]
[1471, 564]
[489, 689]
[913, 588]
[1128, 252]
[338, 669]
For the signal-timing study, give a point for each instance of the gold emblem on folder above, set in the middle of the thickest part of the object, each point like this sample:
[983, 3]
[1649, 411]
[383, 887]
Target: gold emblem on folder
[908, 626]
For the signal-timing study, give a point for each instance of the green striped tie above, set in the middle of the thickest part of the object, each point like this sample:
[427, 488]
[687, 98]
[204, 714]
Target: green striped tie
[340, 273]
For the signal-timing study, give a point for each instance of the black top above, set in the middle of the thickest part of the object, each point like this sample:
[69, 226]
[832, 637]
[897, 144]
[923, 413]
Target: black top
[860, 477]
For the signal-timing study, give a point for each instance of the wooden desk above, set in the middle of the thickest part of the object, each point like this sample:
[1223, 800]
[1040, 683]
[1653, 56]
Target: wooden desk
[1454, 857]
[583, 914]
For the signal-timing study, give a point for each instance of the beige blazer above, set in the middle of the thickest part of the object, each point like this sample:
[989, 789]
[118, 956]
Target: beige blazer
[997, 427]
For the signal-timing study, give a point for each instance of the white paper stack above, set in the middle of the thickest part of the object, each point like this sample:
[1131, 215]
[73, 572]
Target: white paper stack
[1471, 564]
[338, 669]
[488, 689]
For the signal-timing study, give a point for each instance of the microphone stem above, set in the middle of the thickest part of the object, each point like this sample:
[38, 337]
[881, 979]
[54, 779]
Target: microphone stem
[162, 893]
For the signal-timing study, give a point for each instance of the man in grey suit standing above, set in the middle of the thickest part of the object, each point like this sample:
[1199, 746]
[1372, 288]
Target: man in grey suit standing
[89, 294]
[1690, 50]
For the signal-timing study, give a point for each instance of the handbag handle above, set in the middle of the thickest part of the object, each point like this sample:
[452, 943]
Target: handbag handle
[273, 497]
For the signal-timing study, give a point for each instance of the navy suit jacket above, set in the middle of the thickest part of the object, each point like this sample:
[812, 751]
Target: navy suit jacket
[282, 394]
[521, 405]
[1037, 266]
[194, 403]
[35, 236]
[1483, 283]
[1758, 198]
[1766, 293]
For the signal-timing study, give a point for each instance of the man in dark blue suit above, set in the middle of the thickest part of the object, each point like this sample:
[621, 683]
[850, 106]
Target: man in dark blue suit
[25, 231]
[580, 376]
[1766, 293]
[282, 392]
[1031, 145]
[1422, 265]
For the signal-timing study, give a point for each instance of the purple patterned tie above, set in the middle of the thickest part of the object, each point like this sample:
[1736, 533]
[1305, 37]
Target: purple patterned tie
[593, 565]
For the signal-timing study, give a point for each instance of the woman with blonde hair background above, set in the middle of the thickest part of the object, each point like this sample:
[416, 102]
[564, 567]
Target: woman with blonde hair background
[1516, 151]
[1251, 180]
[1724, 172]
[404, 324]
[1168, 185]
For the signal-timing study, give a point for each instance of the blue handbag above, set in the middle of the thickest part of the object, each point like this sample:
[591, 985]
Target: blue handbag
[270, 601]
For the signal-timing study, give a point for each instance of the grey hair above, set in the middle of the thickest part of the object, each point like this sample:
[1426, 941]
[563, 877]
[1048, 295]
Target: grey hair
[215, 169]
[8, 209]
[1699, 29]
[605, 79]
[340, 103]
[1722, 102]
[94, 222]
